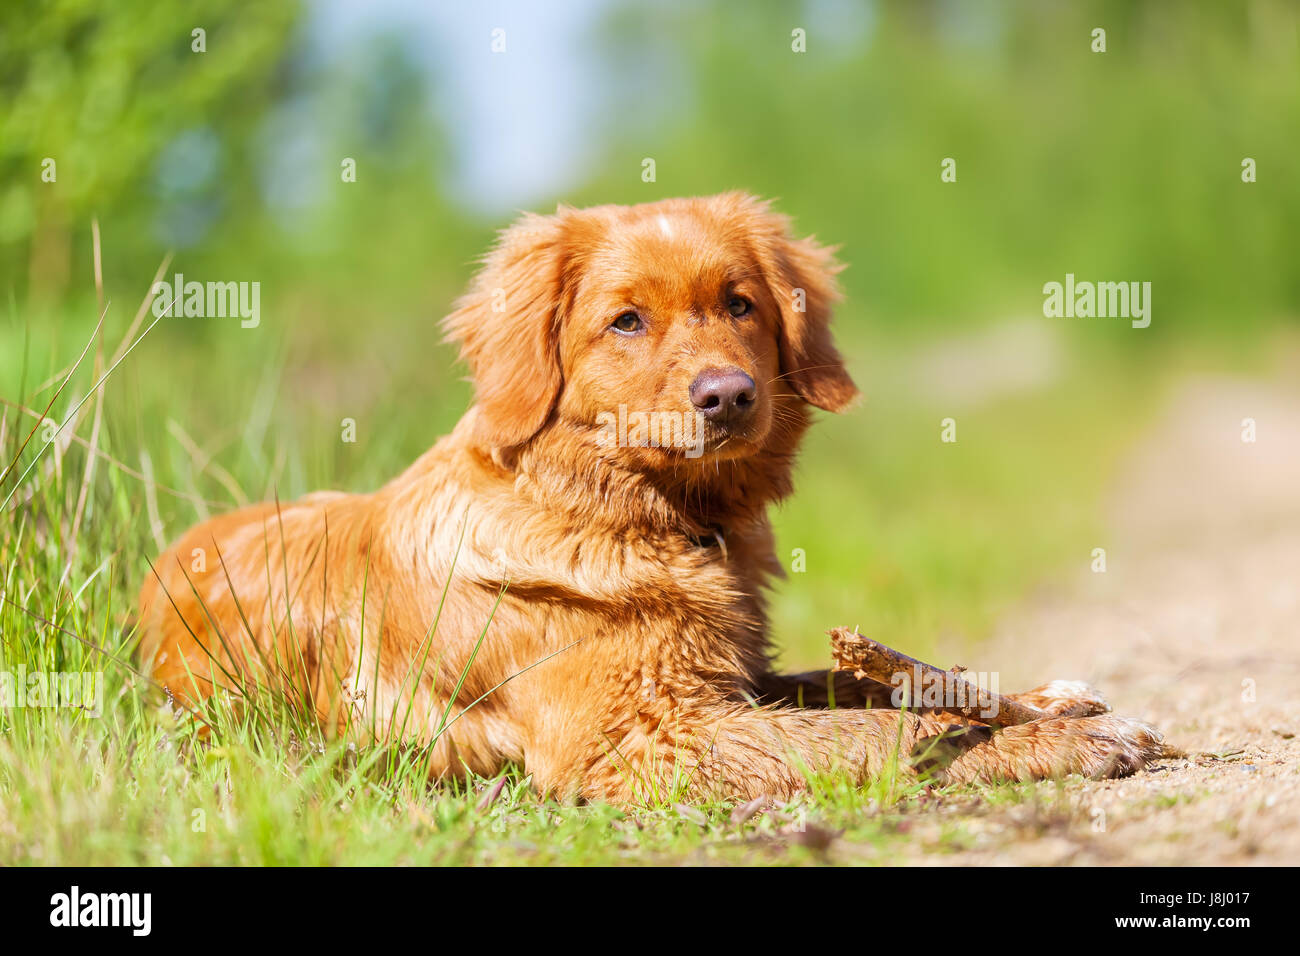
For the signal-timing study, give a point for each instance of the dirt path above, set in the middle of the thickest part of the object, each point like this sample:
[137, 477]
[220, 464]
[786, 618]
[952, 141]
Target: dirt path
[1194, 626]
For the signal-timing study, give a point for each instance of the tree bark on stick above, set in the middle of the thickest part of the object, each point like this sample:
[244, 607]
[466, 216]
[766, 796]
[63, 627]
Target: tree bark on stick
[868, 658]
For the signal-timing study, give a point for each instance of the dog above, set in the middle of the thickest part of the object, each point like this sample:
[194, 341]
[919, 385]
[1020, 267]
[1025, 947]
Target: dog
[555, 584]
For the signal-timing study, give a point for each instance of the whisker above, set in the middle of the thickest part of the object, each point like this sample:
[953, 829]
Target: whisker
[806, 368]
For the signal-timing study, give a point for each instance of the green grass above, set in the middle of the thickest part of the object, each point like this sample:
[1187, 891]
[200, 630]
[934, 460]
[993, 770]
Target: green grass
[910, 538]
[134, 789]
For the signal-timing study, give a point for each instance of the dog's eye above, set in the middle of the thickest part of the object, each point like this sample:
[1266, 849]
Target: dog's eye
[739, 306]
[627, 323]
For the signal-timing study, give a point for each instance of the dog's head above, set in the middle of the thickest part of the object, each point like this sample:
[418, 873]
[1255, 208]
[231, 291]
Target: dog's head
[683, 329]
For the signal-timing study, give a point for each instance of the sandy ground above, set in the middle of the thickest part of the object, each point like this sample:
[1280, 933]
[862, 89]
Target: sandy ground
[1195, 627]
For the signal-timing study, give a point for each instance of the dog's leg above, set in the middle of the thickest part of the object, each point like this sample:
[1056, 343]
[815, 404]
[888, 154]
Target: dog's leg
[744, 753]
[731, 751]
[1102, 745]
[1062, 697]
[821, 689]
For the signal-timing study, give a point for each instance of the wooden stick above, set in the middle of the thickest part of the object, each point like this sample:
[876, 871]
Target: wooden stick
[868, 658]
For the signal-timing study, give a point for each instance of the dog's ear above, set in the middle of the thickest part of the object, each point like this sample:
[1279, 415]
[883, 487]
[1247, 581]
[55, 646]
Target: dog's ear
[801, 276]
[507, 325]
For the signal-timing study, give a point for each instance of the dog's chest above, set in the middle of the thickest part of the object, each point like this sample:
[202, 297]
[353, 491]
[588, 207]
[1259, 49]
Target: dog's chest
[703, 625]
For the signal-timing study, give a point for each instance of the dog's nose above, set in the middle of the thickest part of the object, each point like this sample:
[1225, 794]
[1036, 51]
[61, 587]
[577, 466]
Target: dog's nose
[724, 396]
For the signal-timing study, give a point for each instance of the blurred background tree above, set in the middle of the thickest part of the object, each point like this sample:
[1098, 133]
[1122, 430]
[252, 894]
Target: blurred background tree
[143, 130]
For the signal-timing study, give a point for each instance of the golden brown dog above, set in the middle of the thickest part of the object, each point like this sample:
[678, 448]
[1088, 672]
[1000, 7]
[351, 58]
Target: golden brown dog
[643, 379]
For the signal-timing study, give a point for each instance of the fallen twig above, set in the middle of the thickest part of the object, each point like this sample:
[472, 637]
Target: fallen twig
[955, 695]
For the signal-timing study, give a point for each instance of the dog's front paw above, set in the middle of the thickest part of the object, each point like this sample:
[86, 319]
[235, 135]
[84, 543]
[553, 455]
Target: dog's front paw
[1112, 746]
[1102, 745]
[1065, 698]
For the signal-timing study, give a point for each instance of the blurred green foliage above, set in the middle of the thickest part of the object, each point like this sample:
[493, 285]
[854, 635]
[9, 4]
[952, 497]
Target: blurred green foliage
[104, 91]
